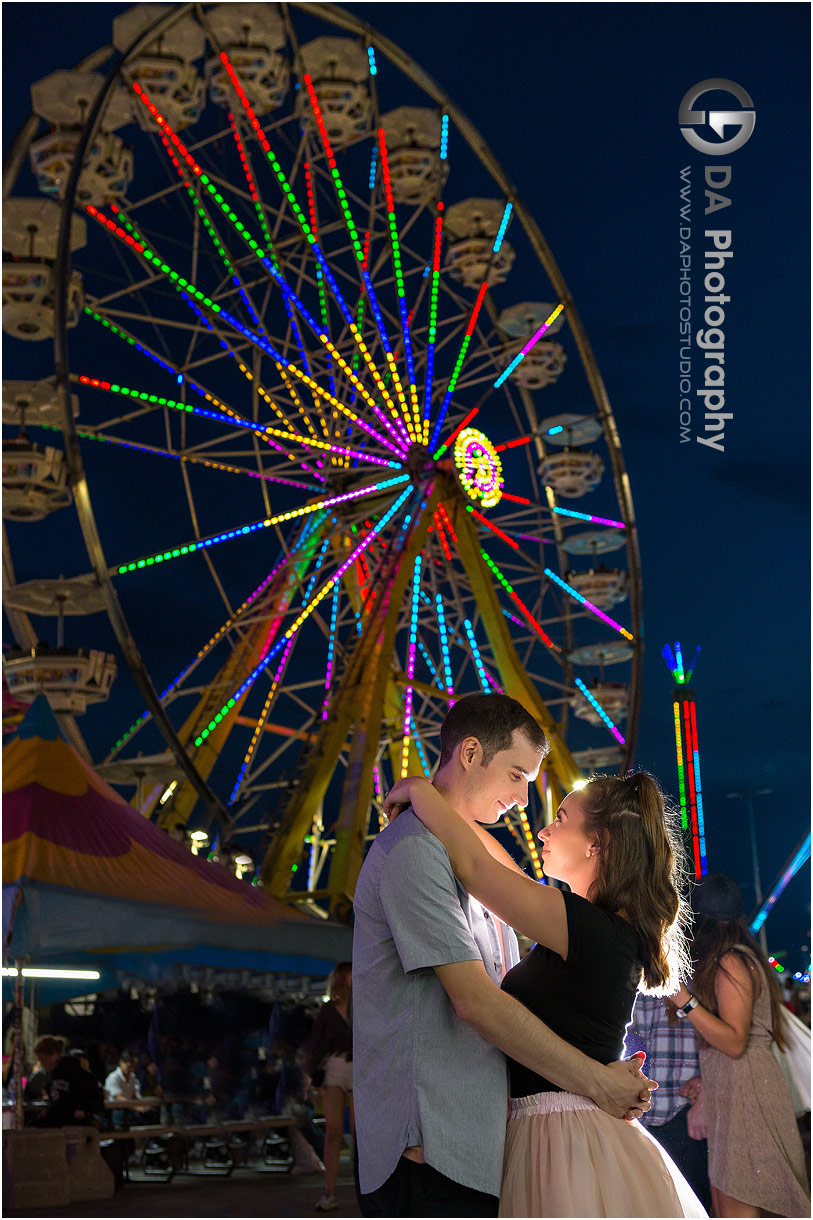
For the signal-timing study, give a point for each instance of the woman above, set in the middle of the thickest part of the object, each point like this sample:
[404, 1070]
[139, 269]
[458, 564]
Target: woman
[332, 1052]
[756, 1160]
[622, 921]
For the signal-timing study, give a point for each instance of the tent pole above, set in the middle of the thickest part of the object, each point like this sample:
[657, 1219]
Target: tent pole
[17, 1066]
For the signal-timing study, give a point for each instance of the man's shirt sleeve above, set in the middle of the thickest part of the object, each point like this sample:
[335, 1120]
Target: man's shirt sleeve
[418, 895]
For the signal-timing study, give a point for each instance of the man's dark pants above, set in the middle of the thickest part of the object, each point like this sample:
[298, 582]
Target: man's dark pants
[419, 1190]
[690, 1156]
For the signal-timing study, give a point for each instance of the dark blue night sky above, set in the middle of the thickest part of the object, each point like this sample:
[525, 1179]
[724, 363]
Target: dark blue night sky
[580, 104]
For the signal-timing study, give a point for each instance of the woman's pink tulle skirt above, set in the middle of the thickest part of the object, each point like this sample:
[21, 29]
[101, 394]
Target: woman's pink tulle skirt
[565, 1157]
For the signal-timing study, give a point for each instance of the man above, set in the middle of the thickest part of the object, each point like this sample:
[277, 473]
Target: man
[73, 1093]
[672, 1056]
[122, 1085]
[430, 1025]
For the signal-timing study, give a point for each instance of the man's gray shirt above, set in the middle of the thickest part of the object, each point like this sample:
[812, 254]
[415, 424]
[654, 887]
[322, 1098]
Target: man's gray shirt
[421, 1075]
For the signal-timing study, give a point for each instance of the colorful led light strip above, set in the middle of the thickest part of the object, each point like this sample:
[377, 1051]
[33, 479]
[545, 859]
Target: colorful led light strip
[591, 699]
[258, 728]
[444, 136]
[444, 648]
[689, 752]
[788, 873]
[331, 160]
[307, 611]
[430, 665]
[190, 547]
[371, 60]
[410, 669]
[701, 827]
[506, 216]
[605, 618]
[684, 809]
[260, 429]
[569, 512]
[331, 647]
[522, 440]
[442, 536]
[451, 439]
[447, 398]
[183, 457]
[546, 325]
[544, 637]
[493, 528]
[485, 682]
[433, 323]
[417, 422]
[531, 842]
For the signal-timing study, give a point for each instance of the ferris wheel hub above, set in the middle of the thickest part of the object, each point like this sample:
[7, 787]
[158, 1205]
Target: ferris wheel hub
[419, 461]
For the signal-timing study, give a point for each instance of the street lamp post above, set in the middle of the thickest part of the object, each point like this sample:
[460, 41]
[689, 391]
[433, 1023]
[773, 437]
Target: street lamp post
[748, 795]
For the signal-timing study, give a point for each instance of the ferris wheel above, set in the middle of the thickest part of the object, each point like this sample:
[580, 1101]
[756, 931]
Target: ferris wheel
[334, 434]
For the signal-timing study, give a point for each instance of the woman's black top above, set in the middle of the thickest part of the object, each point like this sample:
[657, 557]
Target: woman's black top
[587, 999]
[332, 1035]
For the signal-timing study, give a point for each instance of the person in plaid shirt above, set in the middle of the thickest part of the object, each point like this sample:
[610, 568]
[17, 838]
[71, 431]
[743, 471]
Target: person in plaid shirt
[671, 1059]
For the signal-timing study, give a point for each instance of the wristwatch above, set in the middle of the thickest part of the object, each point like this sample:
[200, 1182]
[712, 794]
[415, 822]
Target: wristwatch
[687, 1007]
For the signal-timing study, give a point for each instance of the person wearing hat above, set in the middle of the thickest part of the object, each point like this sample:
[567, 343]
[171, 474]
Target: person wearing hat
[756, 1159]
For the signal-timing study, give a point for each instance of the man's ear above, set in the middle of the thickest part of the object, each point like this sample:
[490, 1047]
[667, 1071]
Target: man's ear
[470, 753]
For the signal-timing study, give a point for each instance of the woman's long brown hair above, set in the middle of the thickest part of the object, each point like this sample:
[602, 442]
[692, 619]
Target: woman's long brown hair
[713, 938]
[641, 871]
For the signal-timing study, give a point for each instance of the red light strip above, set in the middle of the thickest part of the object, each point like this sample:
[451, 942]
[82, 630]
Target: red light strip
[515, 499]
[687, 728]
[459, 429]
[444, 542]
[494, 529]
[164, 125]
[523, 440]
[446, 521]
[481, 296]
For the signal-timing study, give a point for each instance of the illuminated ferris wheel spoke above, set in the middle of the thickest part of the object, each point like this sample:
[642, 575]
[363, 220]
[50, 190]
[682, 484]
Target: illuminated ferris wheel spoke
[574, 593]
[594, 703]
[410, 667]
[189, 548]
[417, 422]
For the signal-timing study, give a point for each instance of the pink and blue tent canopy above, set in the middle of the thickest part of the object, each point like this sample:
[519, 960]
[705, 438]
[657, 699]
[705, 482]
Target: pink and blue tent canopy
[85, 873]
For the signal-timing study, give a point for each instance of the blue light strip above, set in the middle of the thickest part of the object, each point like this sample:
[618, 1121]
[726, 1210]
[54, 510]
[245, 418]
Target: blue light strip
[371, 59]
[788, 873]
[595, 704]
[444, 136]
[429, 663]
[444, 647]
[506, 216]
[373, 166]
[478, 660]
[701, 826]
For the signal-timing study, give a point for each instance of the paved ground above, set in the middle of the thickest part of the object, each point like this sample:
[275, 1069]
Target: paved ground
[247, 1193]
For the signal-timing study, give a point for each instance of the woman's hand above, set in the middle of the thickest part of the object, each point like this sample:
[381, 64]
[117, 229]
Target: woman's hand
[401, 795]
[680, 997]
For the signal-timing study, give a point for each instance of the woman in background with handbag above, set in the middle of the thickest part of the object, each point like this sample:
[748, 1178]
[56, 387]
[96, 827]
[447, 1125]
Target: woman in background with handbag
[756, 1159]
[331, 1060]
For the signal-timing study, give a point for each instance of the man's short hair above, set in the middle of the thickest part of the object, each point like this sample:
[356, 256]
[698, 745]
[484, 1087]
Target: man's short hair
[493, 720]
[50, 1044]
[126, 1057]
